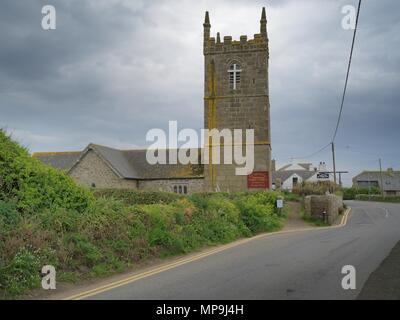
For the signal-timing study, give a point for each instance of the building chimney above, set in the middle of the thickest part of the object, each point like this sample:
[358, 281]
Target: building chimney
[322, 167]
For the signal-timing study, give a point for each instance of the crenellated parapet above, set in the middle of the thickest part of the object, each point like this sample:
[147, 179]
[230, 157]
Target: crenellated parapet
[212, 45]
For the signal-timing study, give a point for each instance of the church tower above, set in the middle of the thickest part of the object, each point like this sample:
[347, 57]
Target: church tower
[236, 96]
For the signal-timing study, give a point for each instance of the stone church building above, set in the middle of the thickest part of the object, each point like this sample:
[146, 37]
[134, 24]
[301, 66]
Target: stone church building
[236, 96]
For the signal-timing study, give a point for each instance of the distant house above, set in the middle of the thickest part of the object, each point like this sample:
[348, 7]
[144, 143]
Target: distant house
[390, 179]
[290, 175]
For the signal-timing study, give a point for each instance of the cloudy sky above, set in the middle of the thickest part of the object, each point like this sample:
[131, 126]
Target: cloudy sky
[113, 69]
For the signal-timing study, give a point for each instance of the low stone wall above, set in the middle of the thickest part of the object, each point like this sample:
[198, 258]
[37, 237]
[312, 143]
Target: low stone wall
[331, 204]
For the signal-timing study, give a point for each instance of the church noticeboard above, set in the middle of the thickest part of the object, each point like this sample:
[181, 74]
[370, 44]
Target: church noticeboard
[258, 180]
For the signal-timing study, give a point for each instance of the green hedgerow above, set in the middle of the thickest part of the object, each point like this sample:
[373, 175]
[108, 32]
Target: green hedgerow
[132, 197]
[23, 271]
[34, 186]
[258, 211]
[46, 218]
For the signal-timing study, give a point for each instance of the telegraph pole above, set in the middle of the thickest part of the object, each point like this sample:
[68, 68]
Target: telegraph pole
[334, 164]
[380, 170]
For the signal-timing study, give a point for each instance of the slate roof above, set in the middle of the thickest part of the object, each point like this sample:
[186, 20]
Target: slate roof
[391, 179]
[60, 160]
[284, 175]
[128, 164]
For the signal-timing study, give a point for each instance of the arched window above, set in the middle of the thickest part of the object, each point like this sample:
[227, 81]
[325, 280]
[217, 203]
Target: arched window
[234, 75]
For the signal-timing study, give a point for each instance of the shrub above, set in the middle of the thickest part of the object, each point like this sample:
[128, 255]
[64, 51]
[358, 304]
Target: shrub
[9, 216]
[289, 196]
[23, 271]
[219, 219]
[258, 212]
[315, 188]
[34, 186]
[45, 218]
[131, 197]
[350, 193]
[378, 198]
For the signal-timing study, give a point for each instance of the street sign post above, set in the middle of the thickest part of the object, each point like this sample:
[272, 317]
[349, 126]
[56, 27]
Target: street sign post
[323, 175]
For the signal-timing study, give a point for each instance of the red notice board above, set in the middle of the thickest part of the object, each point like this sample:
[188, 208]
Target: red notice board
[258, 180]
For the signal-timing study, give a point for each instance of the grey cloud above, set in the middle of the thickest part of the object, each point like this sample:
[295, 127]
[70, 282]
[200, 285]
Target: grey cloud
[114, 69]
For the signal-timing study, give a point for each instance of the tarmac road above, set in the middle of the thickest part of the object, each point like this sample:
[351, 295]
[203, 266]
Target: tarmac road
[299, 265]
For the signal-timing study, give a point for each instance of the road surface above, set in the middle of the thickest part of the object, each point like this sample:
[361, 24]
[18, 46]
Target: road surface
[299, 265]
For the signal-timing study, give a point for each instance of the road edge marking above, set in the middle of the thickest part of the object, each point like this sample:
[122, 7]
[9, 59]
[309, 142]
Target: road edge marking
[183, 261]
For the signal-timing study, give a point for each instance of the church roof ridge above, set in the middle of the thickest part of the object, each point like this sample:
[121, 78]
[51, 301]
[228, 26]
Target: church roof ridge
[50, 153]
[128, 163]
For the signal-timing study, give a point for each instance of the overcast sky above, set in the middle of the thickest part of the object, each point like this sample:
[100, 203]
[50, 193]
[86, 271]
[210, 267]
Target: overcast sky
[113, 69]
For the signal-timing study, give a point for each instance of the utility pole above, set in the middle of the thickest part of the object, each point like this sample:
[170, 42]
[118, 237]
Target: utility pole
[380, 170]
[334, 164]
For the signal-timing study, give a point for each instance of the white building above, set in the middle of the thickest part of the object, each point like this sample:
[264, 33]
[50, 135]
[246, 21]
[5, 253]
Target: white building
[290, 175]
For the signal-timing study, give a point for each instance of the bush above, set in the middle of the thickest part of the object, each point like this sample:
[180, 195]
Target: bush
[315, 188]
[289, 196]
[378, 198]
[110, 235]
[9, 216]
[350, 193]
[130, 197]
[45, 218]
[34, 186]
[23, 271]
[258, 211]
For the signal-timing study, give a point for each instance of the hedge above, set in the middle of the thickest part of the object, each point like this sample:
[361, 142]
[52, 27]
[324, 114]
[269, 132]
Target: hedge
[378, 198]
[45, 218]
[131, 196]
[350, 193]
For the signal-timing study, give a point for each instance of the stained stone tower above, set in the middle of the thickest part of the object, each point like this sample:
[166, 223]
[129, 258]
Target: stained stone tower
[236, 96]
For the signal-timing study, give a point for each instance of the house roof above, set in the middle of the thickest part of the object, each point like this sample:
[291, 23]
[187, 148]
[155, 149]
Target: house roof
[296, 166]
[284, 175]
[127, 164]
[391, 179]
[60, 160]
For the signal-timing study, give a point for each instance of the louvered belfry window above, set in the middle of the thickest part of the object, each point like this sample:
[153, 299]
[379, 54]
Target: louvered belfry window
[234, 76]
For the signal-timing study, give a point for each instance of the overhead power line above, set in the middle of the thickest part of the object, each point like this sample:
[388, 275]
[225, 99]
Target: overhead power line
[312, 154]
[347, 74]
[343, 96]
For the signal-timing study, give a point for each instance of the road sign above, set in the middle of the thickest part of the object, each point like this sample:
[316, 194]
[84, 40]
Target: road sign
[323, 175]
[279, 203]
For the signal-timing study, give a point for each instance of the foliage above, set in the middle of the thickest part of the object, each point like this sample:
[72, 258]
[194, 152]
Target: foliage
[130, 196]
[312, 220]
[45, 218]
[314, 188]
[377, 197]
[289, 196]
[258, 211]
[350, 193]
[33, 186]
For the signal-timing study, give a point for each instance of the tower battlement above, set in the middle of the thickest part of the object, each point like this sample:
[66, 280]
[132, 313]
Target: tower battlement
[212, 45]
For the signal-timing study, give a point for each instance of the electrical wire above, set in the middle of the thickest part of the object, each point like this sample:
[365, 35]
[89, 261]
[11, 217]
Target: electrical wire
[347, 74]
[344, 90]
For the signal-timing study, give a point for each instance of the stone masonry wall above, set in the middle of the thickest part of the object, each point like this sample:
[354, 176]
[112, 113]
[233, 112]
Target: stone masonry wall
[167, 185]
[315, 205]
[226, 179]
[92, 169]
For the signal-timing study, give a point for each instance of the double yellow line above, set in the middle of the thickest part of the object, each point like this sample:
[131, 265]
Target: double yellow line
[183, 261]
